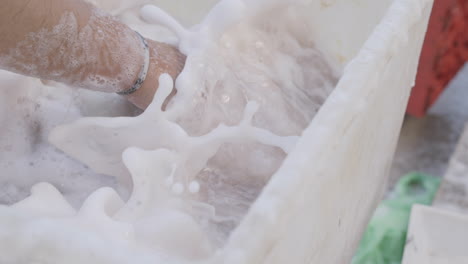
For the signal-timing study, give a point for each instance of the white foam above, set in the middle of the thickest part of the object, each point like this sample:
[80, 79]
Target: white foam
[250, 86]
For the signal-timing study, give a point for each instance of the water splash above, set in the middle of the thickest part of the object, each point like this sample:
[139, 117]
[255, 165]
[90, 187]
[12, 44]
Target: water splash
[249, 88]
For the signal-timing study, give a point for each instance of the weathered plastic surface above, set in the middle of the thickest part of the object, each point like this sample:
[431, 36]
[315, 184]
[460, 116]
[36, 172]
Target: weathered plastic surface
[315, 208]
[436, 236]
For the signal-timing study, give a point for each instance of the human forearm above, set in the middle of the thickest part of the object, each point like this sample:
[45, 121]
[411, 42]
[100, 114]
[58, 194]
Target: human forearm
[68, 41]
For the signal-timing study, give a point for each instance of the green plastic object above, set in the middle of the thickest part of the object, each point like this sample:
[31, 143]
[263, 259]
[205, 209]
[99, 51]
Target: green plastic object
[385, 237]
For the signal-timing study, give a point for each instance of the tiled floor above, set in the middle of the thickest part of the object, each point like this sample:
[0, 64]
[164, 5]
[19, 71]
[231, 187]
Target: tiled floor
[427, 144]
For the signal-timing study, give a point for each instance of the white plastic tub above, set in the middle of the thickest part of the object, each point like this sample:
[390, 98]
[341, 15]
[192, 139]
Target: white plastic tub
[314, 208]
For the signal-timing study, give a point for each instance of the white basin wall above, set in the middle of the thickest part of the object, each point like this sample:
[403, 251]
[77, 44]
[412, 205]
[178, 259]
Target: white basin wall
[316, 206]
[342, 26]
[187, 12]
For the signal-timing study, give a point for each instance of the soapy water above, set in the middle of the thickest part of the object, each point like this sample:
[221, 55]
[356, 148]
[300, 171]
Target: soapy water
[253, 81]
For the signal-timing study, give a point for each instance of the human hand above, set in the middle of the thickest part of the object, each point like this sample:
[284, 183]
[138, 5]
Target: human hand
[164, 58]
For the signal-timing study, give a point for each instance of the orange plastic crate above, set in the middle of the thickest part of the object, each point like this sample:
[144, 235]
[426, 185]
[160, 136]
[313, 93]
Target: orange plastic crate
[445, 51]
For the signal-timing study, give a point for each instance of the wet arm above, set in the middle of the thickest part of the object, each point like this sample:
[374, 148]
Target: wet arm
[71, 41]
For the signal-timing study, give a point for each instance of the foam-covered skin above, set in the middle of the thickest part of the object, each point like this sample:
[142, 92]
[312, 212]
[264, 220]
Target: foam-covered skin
[271, 62]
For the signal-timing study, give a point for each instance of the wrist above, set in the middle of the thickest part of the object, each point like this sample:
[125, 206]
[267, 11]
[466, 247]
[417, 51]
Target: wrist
[164, 58]
[143, 72]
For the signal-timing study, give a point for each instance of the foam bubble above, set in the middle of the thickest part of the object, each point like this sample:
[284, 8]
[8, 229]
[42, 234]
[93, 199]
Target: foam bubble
[178, 188]
[194, 187]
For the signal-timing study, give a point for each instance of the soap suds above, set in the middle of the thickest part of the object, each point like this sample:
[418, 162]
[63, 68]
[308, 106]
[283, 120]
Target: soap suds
[250, 86]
